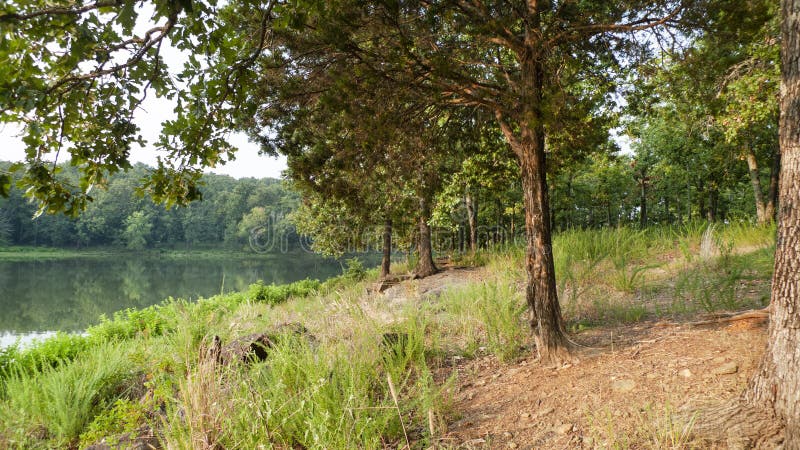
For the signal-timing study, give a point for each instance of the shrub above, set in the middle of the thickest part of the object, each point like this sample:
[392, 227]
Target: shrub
[50, 352]
[273, 294]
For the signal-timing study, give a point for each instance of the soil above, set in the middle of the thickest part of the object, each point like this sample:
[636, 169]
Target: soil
[637, 387]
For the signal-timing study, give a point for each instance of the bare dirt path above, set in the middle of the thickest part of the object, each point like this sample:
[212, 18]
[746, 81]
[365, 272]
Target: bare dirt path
[616, 397]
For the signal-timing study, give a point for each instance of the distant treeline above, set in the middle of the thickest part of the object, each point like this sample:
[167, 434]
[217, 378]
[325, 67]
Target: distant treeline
[229, 212]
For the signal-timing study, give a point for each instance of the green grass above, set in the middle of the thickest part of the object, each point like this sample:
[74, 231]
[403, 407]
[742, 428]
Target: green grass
[59, 402]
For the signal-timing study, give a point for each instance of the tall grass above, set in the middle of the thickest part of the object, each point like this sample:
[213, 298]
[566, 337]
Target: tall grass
[489, 315]
[60, 402]
[335, 396]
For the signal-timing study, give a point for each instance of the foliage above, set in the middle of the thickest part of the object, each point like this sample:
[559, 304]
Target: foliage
[123, 416]
[151, 321]
[119, 217]
[274, 294]
[50, 352]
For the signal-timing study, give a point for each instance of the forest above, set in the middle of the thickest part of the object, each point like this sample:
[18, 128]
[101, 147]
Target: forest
[119, 217]
[442, 126]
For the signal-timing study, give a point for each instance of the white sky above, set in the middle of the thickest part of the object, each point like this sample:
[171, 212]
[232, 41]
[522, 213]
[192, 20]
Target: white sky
[248, 162]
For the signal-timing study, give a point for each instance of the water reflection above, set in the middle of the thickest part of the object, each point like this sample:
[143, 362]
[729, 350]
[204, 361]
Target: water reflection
[70, 294]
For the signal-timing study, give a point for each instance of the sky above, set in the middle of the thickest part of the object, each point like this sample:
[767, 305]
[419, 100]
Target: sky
[248, 162]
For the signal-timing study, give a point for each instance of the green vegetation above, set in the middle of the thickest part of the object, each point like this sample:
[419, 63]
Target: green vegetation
[345, 384]
[119, 218]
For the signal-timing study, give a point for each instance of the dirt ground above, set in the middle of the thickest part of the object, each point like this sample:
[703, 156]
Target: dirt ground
[622, 393]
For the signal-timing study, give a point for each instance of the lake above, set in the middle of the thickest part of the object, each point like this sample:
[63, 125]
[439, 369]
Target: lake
[39, 297]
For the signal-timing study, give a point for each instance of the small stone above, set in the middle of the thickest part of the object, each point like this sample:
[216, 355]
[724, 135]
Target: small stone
[685, 373]
[726, 369]
[525, 415]
[564, 429]
[651, 376]
[512, 445]
[623, 385]
[508, 435]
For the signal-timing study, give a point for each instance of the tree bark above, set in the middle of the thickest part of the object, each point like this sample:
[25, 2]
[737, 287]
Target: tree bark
[702, 200]
[541, 296]
[528, 143]
[472, 220]
[386, 261]
[775, 384]
[425, 266]
[755, 181]
[713, 204]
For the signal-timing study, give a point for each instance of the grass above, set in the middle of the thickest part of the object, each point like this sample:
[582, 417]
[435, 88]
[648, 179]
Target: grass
[368, 374]
[59, 402]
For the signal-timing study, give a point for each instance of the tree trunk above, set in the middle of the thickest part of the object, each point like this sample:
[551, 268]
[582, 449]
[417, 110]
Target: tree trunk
[776, 382]
[772, 399]
[541, 295]
[425, 266]
[772, 195]
[472, 220]
[755, 181]
[527, 140]
[386, 261]
[701, 199]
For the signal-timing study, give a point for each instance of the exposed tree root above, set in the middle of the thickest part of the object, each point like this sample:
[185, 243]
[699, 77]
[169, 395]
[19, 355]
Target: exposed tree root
[739, 425]
[762, 314]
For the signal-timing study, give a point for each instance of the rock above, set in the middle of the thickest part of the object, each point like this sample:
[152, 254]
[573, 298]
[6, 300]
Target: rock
[390, 281]
[512, 445]
[255, 347]
[623, 385]
[508, 435]
[726, 369]
[685, 373]
[250, 348]
[564, 429]
[525, 415]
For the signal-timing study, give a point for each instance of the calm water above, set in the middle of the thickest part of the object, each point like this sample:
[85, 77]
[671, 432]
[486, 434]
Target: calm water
[40, 297]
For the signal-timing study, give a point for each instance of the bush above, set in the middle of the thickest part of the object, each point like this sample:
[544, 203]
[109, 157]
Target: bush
[49, 352]
[150, 321]
[273, 294]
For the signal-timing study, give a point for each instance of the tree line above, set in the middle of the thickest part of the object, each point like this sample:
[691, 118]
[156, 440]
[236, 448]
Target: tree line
[117, 216]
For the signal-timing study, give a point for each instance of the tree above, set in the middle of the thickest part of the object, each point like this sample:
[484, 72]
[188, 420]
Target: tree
[775, 384]
[138, 228]
[772, 392]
